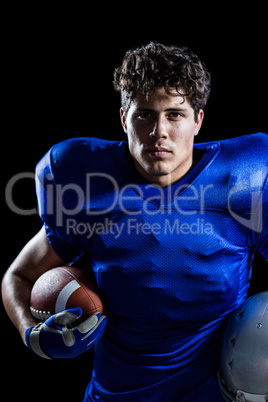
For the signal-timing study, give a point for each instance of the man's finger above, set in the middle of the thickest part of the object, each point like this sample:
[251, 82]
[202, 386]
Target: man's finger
[68, 316]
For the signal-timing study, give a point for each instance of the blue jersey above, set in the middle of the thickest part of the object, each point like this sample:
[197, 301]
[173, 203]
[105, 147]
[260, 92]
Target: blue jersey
[173, 263]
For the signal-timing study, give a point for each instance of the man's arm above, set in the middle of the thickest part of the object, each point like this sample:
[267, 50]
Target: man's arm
[35, 258]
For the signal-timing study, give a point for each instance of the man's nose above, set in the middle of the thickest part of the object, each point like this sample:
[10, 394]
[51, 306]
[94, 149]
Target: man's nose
[159, 129]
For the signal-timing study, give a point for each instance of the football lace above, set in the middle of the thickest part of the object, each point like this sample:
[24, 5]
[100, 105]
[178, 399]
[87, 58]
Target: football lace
[40, 315]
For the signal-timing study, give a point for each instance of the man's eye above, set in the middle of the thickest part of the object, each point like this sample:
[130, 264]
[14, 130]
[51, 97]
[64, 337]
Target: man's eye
[175, 115]
[144, 115]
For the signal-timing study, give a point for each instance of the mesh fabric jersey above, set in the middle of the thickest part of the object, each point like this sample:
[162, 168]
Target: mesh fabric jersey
[173, 263]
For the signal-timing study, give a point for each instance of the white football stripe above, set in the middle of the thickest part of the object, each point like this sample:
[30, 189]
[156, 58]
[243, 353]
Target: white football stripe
[64, 295]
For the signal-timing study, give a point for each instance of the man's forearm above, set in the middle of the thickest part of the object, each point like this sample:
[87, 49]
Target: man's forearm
[16, 295]
[34, 259]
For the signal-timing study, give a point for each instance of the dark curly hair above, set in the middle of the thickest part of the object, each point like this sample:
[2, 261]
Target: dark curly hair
[155, 65]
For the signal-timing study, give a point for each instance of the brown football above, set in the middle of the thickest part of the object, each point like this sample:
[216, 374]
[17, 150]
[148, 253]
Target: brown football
[63, 288]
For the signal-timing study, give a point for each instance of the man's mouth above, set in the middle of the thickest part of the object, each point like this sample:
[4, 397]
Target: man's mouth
[158, 152]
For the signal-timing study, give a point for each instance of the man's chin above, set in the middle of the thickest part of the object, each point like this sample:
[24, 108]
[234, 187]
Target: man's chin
[158, 173]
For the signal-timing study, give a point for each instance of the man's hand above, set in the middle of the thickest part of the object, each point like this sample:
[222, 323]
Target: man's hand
[58, 338]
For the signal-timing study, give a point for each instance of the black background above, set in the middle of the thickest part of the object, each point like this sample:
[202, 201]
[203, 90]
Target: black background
[57, 72]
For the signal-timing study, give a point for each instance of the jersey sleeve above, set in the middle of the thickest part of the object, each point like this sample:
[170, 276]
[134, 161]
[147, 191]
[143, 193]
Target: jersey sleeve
[52, 212]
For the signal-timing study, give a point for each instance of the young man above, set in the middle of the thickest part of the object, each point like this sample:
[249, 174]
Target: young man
[170, 228]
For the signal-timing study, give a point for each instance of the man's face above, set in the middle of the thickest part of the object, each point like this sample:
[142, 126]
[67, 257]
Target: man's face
[161, 130]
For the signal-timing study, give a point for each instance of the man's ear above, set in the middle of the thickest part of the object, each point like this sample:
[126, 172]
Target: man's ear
[123, 117]
[199, 121]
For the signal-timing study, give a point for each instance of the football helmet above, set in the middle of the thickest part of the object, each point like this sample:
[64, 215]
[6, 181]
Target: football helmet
[243, 374]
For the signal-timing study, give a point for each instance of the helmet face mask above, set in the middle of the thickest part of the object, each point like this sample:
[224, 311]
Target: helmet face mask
[240, 396]
[243, 374]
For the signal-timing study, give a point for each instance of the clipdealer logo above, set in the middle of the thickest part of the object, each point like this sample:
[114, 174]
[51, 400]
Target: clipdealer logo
[133, 226]
[55, 194]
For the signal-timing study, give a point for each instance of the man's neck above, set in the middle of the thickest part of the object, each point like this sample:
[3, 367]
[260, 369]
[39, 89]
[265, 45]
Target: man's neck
[166, 180]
